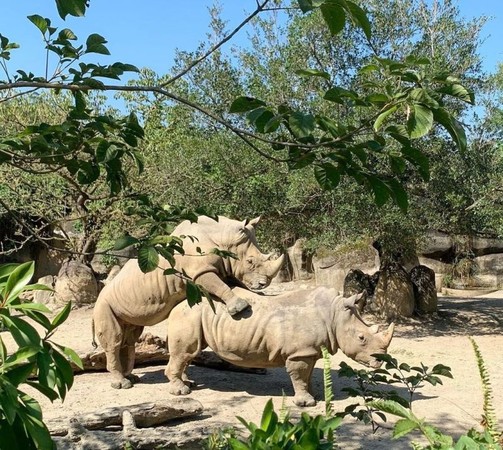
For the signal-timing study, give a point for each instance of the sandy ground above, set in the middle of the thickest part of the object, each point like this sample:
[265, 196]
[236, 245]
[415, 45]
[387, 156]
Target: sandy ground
[453, 407]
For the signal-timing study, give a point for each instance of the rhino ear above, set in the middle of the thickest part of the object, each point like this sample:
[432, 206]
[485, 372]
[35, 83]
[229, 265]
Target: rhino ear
[253, 222]
[350, 302]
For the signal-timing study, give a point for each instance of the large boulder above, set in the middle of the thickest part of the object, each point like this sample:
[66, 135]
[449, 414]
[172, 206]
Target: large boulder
[489, 270]
[394, 296]
[436, 244]
[425, 293]
[357, 281]
[299, 262]
[76, 283]
[331, 268]
[440, 269]
[486, 246]
[45, 297]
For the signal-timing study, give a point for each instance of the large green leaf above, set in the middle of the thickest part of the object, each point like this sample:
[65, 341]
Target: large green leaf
[301, 124]
[245, 104]
[17, 280]
[62, 315]
[334, 17]
[391, 407]
[380, 190]
[327, 175]
[403, 427]
[458, 91]
[420, 121]
[381, 118]
[95, 43]
[75, 8]
[359, 17]
[399, 194]
[39, 22]
[453, 127]
[419, 159]
[148, 258]
[124, 241]
[313, 73]
[193, 293]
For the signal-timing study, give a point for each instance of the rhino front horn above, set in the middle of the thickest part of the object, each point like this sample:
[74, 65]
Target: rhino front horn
[276, 265]
[388, 334]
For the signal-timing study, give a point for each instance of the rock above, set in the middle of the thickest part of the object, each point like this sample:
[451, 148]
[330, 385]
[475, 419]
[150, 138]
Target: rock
[45, 297]
[489, 270]
[394, 296]
[299, 261]
[436, 244]
[356, 281]
[331, 269]
[486, 246]
[425, 293]
[76, 283]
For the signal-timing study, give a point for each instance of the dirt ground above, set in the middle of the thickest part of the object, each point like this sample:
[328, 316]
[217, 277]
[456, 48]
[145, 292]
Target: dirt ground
[454, 407]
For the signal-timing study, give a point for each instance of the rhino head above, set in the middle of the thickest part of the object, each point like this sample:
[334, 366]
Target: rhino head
[358, 340]
[252, 267]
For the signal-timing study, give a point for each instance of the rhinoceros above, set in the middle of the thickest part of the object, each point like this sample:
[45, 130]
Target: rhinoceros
[134, 299]
[284, 330]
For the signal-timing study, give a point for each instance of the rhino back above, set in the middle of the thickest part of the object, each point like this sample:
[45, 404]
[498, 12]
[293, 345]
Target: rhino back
[270, 332]
[143, 298]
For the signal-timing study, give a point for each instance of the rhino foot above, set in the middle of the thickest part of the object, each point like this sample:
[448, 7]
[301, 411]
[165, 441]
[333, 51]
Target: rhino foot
[122, 384]
[236, 305]
[133, 378]
[304, 400]
[178, 387]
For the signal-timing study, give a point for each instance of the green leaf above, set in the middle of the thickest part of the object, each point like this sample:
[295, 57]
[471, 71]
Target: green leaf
[49, 393]
[76, 8]
[20, 356]
[391, 407]
[309, 440]
[420, 121]
[124, 241]
[399, 195]
[193, 293]
[334, 17]
[41, 23]
[23, 333]
[338, 94]
[72, 355]
[35, 426]
[148, 258]
[305, 5]
[95, 44]
[453, 127]
[383, 116]
[380, 190]
[17, 280]
[32, 306]
[359, 18]
[440, 369]
[313, 73]
[7, 269]
[21, 373]
[245, 104]
[302, 125]
[421, 161]
[403, 427]
[458, 91]
[62, 315]
[236, 444]
[327, 175]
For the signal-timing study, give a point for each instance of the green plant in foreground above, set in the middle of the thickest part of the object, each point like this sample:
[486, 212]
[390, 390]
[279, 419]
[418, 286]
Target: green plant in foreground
[37, 361]
[392, 372]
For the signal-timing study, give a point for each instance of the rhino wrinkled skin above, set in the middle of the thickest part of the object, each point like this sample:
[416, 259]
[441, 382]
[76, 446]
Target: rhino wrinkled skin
[134, 299]
[286, 330]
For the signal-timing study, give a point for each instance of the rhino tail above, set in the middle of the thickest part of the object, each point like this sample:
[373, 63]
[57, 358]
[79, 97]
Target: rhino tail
[93, 342]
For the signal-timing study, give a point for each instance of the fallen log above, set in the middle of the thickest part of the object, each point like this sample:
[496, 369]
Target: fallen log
[143, 414]
[151, 350]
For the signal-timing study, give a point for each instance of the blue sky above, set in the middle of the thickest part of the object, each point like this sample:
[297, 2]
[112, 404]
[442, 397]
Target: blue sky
[146, 33]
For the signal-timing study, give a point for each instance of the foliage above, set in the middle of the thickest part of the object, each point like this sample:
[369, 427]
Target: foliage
[37, 361]
[306, 433]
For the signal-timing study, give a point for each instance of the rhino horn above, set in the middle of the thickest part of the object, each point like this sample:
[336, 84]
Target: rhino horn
[388, 334]
[275, 265]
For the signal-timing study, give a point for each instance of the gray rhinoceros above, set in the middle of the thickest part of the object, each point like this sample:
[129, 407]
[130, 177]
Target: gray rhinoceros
[284, 330]
[134, 299]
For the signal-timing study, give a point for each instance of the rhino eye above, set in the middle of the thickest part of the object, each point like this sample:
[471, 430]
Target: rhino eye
[361, 338]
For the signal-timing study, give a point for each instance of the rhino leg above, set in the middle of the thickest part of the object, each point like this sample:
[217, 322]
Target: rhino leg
[300, 370]
[110, 333]
[216, 286]
[127, 351]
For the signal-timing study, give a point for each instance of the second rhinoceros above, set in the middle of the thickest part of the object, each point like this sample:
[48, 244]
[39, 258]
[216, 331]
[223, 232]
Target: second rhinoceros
[284, 330]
